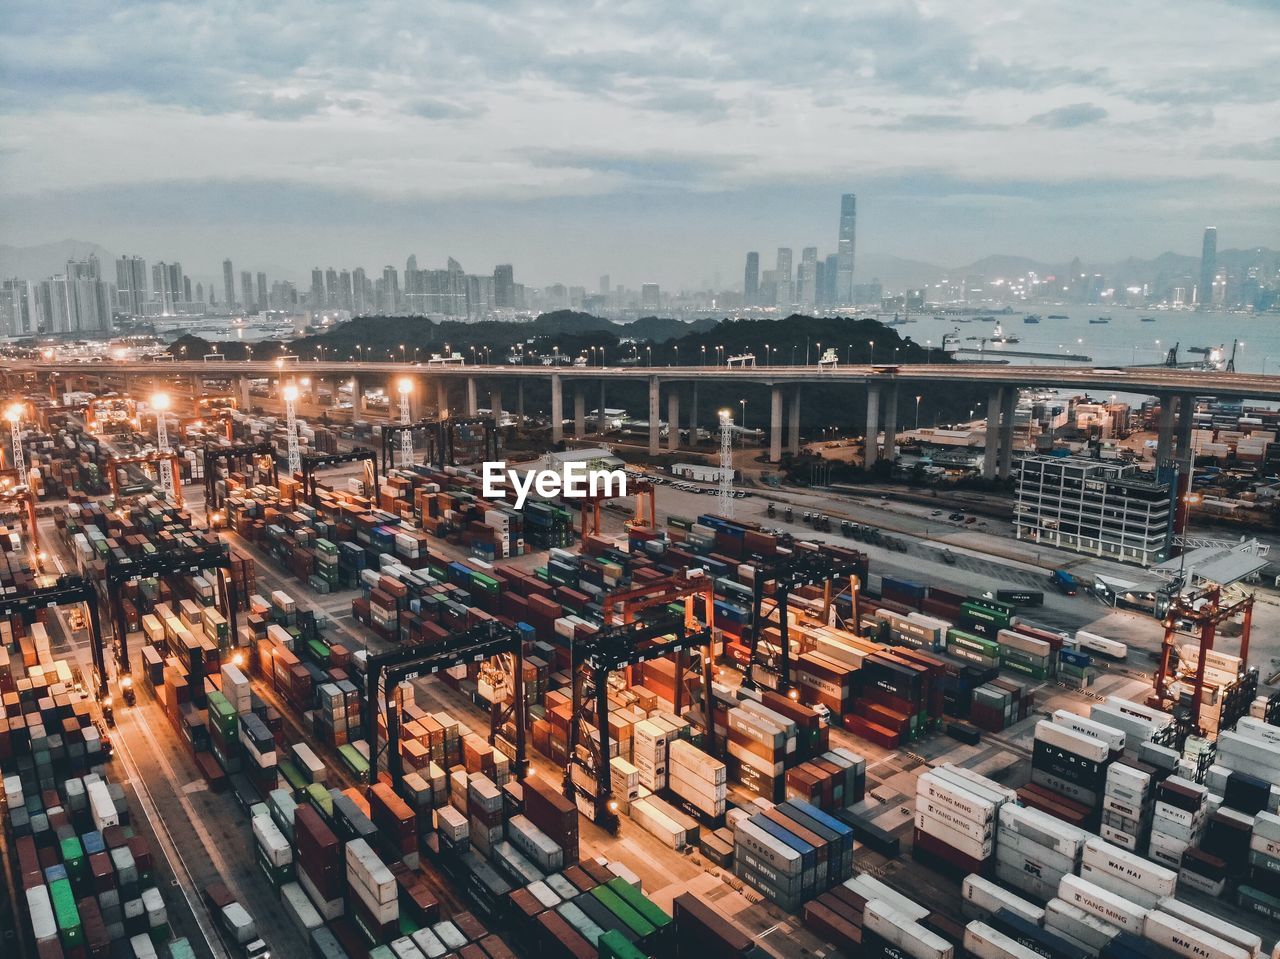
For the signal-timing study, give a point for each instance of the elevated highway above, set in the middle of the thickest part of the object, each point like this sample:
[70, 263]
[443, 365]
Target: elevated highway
[1175, 388]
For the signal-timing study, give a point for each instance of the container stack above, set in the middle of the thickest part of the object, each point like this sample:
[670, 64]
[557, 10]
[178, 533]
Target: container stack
[1128, 803]
[372, 892]
[700, 781]
[649, 743]
[757, 748]
[792, 852]
[1185, 931]
[1126, 874]
[1180, 814]
[1068, 771]
[1035, 850]
[956, 817]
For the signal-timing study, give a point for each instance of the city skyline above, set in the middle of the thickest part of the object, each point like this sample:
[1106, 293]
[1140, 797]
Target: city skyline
[961, 132]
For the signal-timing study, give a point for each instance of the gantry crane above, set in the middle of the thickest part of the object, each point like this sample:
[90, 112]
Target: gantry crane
[151, 457]
[807, 565]
[1201, 624]
[441, 444]
[312, 462]
[237, 455]
[644, 516]
[387, 671]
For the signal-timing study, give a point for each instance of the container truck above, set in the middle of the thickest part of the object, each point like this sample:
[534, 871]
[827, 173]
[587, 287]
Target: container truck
[238, 931]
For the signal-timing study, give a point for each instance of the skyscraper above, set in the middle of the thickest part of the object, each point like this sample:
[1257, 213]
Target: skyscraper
[827, 284]
[317, 289]
[809, 277]
[228, 285]
[392, 287]
[131, 284]
[751, 280]
[1208, 268]
[345, 294]
[262, 291]
[650, 296]
[845, 248]
[331, 287]
[246, 290]
[359, 299]
[504, 287]
[785, 288]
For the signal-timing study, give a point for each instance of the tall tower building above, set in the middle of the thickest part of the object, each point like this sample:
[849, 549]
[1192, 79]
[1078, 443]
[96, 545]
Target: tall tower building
[504, 287]
[392, 282]
[317, 289]
[358, 301]
[262, 291]
[1208, 268]
[845, 248]
[246, 290]
[809, 277]
[345, 294]
[785, 287]
[827, 280]
[228, 285]
[751, 280]
[131, 283]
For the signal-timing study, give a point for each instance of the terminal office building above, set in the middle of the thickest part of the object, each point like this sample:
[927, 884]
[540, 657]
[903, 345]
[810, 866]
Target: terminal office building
[1094, 506]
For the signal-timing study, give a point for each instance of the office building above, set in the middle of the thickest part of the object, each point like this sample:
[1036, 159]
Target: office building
[15, 308]
[317, 297]
[131, 284]
[783, 280]
[76, 302]
[650, 296]
[751, 280]
[228, 285]
[827, 282]
[504, 286]
[246, 290]
[845, 248]
[808, 278]
[361, 291]
[1098, 507]
[390, 289]
[262, 291]
[1208, 268]
[346, 295]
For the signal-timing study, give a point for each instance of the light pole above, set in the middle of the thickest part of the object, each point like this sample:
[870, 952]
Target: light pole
[290, 393]
[160, 403]
[873, 353]
[743, 403]
[14, 415]
[406, 436]
[917, 412]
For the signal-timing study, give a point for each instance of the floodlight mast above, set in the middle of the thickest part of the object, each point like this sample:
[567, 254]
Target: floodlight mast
[290, 393]
[725, 494]
[160, 403]
[406, 436]
[14, 415]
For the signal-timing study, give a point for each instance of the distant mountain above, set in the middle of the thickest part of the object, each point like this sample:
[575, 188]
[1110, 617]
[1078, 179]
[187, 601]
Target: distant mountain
[660, 329]
[39, 262]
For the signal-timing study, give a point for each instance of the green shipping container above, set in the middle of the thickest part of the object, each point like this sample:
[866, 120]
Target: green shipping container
[318, 651]
[73, 859]
[614, 945]
[630, 918]
[320, 800]
[641, 903]
[65, 912]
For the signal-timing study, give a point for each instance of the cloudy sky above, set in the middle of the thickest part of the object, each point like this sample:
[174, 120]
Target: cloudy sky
[648, 140]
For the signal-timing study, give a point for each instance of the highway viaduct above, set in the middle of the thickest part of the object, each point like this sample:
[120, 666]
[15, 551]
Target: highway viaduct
[1176, 390]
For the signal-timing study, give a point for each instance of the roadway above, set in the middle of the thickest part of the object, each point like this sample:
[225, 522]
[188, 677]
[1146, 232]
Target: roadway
[1139, 380]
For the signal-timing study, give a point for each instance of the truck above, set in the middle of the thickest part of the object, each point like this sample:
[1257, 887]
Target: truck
[1063, 582]
[236, 928]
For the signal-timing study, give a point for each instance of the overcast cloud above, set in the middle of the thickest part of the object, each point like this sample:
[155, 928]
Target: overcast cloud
[648, 140]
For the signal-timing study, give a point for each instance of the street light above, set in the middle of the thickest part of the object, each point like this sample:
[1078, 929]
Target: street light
[917, 412]
[873, 352]
[744, 413]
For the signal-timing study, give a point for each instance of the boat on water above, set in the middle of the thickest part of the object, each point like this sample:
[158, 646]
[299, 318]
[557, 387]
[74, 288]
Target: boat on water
[1031, 318]
[1101, 319]
[998, 335]
[1146, 319]
[1059, 316]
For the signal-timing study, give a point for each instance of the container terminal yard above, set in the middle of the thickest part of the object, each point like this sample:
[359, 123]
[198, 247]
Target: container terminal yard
[278, 687]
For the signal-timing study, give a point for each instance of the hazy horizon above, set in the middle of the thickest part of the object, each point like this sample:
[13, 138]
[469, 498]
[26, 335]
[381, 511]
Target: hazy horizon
[651, 142]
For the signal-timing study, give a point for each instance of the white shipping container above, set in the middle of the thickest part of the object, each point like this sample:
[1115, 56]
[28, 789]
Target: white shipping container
[892, 926]
[40, 909]
[429, 944]
[1039, 860]
[1184, 939]
[272, 841]
[869, 887]
[1087, 747]
[1114, 738]
[1130, 868]
[101, 805]
[954, 838]
[983, 898]
[1106, 905]
[959, 801]
[1043, 829]
[977, 831]
[1082, 926]
[983, 942]
[298, 906]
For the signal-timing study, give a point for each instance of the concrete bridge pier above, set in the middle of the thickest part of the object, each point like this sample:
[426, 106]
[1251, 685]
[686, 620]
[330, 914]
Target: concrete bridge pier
[601, 420]
[495, 405]
[442, 398]
[793, 423]
[472, 403]
[655, 429]
[891, 424]
[357, 398]
[520, 404]
[557, 409]
[871, 450]
[579, 412]
[1008, 407]
[775, 425]
[991, 447]
[242, 390]
[693, 416]
[673, 417]
[1186, 423]
[1164, 430]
